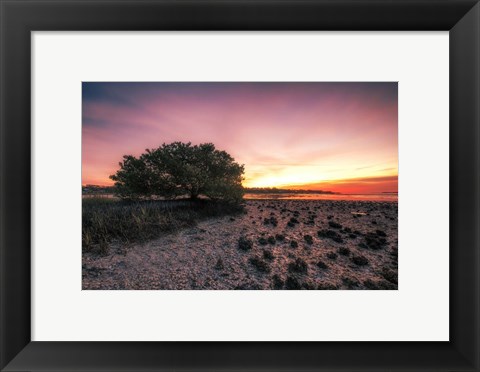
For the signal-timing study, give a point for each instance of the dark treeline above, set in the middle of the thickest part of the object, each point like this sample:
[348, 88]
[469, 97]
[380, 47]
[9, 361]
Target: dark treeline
[95, 189]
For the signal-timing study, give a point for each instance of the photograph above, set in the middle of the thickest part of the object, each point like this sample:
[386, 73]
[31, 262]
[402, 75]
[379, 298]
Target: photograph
[239, 185]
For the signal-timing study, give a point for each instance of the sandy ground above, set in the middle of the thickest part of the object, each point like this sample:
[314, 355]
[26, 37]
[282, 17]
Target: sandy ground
[337, 245]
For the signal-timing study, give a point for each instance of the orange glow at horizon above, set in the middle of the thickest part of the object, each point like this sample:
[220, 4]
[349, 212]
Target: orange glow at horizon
[340, 137]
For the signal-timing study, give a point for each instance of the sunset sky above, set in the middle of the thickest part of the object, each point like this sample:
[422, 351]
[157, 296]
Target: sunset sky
[341, 137]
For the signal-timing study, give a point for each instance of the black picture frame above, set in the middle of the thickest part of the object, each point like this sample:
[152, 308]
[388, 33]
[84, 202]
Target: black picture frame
[18, 18]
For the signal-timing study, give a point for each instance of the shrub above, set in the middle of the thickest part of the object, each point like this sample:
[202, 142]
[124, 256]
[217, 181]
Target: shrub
[308, 239]
[268, 254]
[259, 264]
[332, 255]
[380, 233]
[298, 266]
[262, 241]
[277, 282]
[344, 251]
[334, 225]
[293, 244]
[244, 243]
[350, 282]
[330, 234]
[322, 265]
[359, 260]
[270, 221]
[292, 283]
[375, 242]
[280, 237]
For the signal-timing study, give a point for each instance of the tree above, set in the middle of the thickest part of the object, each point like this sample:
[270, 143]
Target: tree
[179, 169]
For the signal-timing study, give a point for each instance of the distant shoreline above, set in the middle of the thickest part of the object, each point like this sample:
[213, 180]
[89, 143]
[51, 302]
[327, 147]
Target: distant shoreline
[98, 190]
[382, 197]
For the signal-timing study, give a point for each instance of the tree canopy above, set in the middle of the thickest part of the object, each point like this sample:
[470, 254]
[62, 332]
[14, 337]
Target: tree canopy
[179, 169]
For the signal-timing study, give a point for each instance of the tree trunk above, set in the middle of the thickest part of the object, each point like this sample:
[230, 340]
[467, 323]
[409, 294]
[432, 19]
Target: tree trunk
[193, 196]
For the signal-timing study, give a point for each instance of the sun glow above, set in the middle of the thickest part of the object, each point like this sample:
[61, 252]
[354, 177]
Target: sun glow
[318, 176]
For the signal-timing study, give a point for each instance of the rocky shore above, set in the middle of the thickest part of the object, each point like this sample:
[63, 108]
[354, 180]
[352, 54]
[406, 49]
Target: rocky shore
[274, 245]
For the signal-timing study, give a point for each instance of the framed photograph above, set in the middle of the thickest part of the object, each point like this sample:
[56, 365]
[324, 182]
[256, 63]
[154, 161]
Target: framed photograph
[239, 185]
[298, 200]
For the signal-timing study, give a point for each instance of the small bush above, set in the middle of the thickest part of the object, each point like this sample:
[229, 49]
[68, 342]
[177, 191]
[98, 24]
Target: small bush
[322, 265]
[375, 242]
[332, 255]
[308, 239]
[262, 241]
[298, 266]
[344, 251]
[270, 221]
[334, 225]
[277, 282]
[359, 260]
[280, 237]
[244, 243]
[380, 233]
[271, 240]
[268, 254]
[293, 244]
[350, 282]
[292, 283]
[259, 264]
[330, 234]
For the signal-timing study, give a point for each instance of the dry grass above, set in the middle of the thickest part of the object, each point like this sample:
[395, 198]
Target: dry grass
[106, 220]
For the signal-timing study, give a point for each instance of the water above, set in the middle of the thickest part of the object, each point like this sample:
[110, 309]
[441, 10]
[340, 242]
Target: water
[289, 196]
